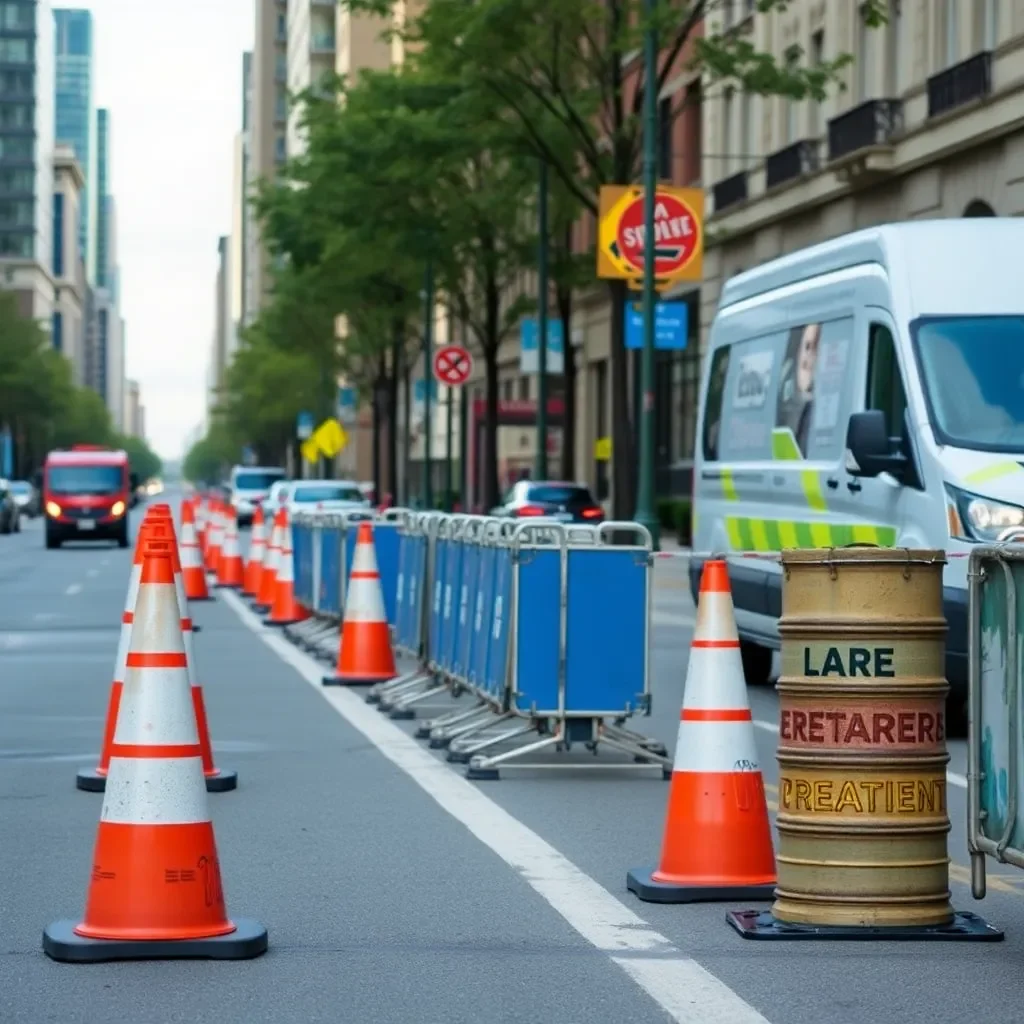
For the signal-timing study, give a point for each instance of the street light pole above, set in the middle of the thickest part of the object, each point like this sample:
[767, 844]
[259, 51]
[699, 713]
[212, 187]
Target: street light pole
[645, 511]
[542, 323]
[428, 375]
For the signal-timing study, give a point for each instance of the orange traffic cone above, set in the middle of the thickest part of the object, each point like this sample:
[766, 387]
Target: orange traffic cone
[215, 538]
[93, 780]
[268, 578]
[162, 514]
[155, 890]
[364, 652]
[230, 572]
[286, 611]
[193, 574]
[718, 838]
[257, 548]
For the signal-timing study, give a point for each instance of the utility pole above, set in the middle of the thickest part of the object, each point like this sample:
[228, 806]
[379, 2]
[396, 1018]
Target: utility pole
[542, 323]
[645, 511]
[449, 426]
[428, 381]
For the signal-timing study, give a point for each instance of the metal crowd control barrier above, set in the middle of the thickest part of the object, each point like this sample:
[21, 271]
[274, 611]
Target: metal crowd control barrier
[995, 744]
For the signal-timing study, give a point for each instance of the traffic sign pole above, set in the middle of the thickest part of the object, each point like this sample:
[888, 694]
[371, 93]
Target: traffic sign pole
[428, 358]
[645, 512]
[542, 323]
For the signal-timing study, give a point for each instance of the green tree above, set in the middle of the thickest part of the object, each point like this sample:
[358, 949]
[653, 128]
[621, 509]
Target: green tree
[208, 460]
[144, 462]
[565, 75]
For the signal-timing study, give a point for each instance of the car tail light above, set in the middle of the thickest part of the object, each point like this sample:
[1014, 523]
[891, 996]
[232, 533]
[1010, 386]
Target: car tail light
[592, 513]
[531, 510]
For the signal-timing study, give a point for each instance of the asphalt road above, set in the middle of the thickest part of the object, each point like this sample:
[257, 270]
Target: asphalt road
[393, 890]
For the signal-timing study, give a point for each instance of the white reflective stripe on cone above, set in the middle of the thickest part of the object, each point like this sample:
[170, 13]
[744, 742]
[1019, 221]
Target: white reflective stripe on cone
[179, 589]
[155, 791]
[716, 747]
[714, 679]
[365, 559]
[716, 619]
[156, 708]
[156, 621]
[190, 556]
[123, 642]
[188, 638]
[365, 601]
[285, 573]
[133, 588]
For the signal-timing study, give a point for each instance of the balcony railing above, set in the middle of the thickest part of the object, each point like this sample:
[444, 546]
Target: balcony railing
[730, 191]
[874, 123]
[790, 163]
[963, 83]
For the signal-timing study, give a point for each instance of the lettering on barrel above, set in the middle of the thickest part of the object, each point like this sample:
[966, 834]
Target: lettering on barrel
[837, 726]
[865, 662]
[853, 796]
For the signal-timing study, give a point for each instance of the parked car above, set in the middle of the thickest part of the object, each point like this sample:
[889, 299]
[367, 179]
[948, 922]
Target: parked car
[325, 496]
[10, 514]
[550, 499]
[277, 497]
[26, 497]
[250, 486]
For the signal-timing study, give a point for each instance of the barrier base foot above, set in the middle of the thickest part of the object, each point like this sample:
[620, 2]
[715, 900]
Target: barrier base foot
[197, 600]
[229, 586]
[402, 714]
[89, 781]
[644, 887]
[439, 742]
[373, 698]
[457, 757]
[222, 782]
[247, 941]
[481, 774]
[384, 707]
[965, 927]
[422, 732]
[285, 622]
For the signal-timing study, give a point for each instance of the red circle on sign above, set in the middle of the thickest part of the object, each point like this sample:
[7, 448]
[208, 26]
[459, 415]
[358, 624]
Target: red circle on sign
[452, 365]
[676, 234]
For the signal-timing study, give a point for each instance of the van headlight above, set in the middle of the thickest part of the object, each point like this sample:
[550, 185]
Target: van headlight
[117, 508]
[973, 517]
[53, 510]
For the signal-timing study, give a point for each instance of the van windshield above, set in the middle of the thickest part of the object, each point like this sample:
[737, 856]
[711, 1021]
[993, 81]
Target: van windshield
[256, 480]
[85, 480]
[973, 373]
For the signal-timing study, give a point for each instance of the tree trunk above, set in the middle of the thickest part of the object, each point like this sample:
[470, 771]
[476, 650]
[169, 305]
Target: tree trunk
[397, 344]
[563, 300]
[379, 386]
[623, 469]
[491, 342]
[407, 432]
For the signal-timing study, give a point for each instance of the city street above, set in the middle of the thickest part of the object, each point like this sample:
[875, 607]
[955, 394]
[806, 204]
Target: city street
[394, 891]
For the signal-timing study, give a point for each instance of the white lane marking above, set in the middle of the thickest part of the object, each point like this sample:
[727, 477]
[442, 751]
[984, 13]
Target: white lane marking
[74, 588]
[953, 778]
[689, 993]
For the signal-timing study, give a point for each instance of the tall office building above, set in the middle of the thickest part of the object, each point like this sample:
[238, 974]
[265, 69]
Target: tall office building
[75, 117]
[26, 154]
[101, 273]
[268, 123]
[312, 39]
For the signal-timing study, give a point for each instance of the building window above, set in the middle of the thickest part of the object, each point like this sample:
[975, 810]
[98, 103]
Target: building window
[791, 119]
[727, 149]
[281, 67]
[16, 16]
[524, 389]
[988, 35]
[16, 245]
[16, 213]
[895, 70]
[665, 139]
[746, 130]
[282, 26]
[280, 152]
[15, 115]
[813, 106]
[946, 33]
[58, 234]
[17, 147]
[865, 59]
[15, 51]
[57, 331]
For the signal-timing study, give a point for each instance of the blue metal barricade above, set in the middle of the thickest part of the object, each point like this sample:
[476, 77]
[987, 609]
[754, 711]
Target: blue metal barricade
[387, 534]
[331, 597]
[438, 578]
[468, 580]
[302, 560]
[452, 590]
[404, 610]
[496, 672]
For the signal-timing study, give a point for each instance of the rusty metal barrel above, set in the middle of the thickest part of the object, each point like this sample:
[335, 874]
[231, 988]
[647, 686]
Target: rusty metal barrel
[863, 823]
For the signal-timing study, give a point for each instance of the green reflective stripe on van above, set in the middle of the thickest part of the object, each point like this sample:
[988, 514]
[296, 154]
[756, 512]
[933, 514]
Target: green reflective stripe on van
[993, 472]
[811, 483]
[729, 486]
[779, 534]
[784, 446]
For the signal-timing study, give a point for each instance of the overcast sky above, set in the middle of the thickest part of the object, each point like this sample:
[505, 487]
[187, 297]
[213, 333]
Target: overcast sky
[171, 76]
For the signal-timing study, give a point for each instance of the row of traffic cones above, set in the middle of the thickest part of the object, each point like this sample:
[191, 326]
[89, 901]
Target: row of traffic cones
[267, 577]
[155, 889]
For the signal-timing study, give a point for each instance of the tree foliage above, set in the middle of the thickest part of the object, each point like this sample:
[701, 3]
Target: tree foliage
[42, 407]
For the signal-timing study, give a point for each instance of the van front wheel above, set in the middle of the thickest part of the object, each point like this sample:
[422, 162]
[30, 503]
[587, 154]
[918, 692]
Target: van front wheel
[757, 663]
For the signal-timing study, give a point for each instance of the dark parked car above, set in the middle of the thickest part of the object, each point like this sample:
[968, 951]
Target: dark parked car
[26, 497]
[551, 499]
[10, 514]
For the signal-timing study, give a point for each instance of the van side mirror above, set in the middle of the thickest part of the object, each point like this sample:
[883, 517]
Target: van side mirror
[872, 450]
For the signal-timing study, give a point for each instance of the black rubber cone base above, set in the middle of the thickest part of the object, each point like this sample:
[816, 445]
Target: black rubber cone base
[422, 732]
[457, 757]
[372, 698]
[644, 887]
[222, 782]
[402, 714]
[338, 681]
[200, 600]
[965, 927]
[89, 781]
[247, 941]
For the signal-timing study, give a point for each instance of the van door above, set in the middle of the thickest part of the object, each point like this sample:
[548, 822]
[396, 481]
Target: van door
[889, 512]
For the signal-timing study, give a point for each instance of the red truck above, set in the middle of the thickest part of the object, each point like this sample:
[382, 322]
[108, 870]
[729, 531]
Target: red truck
[86, 494]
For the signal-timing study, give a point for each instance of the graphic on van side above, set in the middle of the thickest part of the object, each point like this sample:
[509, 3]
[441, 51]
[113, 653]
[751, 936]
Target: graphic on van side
[780, 397]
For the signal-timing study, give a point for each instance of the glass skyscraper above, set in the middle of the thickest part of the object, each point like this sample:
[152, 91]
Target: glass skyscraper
[102, 266]
[75, 121]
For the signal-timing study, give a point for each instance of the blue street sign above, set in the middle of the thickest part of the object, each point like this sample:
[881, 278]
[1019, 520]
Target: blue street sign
[348, 401]
[419, 390]
[304, 425]
[671, 325]
[7, 459]
[529, 356]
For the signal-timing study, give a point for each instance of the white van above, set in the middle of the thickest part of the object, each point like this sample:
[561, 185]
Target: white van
[250, 486]
[868, 389]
